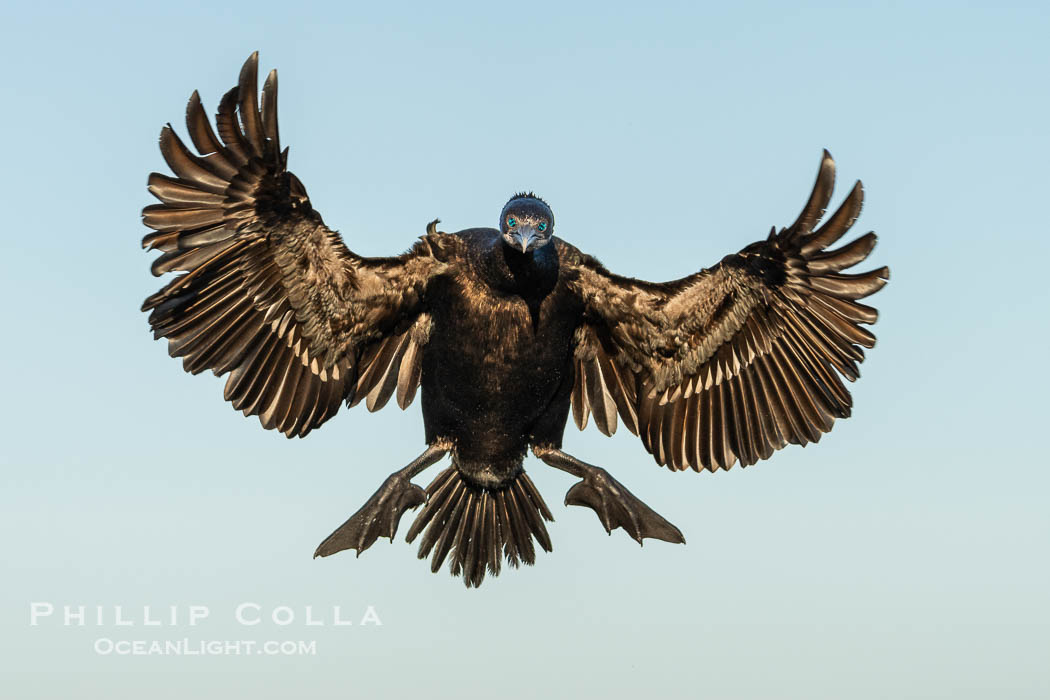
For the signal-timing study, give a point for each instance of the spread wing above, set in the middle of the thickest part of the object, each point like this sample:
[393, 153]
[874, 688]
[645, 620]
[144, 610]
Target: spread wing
[738, 360]
[268, 293]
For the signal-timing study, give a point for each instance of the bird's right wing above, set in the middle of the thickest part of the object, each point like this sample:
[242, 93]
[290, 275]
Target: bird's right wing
[268, 292]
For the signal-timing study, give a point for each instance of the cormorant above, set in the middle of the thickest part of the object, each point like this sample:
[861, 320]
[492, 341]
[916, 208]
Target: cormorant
[502, 331]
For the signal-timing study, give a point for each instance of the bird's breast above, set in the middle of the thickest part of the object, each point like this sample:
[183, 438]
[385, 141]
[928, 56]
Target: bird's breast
[495, 357]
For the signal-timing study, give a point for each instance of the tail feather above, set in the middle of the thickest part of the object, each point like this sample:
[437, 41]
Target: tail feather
[476, 527]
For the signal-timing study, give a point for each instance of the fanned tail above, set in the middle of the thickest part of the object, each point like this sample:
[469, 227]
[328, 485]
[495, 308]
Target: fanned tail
[479, 526]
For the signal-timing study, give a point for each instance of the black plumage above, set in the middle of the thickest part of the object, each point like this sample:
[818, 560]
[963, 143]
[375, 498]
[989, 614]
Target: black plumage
[503, 332]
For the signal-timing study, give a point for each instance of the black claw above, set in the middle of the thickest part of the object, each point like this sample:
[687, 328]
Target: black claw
[378, 517]
[618, 507]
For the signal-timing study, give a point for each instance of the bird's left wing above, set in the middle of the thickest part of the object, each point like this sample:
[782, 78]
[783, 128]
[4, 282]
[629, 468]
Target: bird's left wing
[737, 360]
[268, 292]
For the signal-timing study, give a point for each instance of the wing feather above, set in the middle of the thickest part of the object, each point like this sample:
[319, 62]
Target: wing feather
[739, 360]
[268, 293]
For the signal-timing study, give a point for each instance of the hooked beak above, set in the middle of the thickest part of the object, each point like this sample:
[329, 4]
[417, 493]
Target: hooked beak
[523, 237]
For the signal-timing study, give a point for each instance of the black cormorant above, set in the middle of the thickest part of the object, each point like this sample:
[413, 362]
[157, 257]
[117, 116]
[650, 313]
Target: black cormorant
[503, 332]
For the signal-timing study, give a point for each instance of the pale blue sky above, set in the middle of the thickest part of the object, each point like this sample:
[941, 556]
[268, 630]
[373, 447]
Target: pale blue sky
[904, 556]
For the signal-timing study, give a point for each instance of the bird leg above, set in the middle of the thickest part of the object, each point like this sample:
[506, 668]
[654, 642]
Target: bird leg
[614, 504]
[381, 513]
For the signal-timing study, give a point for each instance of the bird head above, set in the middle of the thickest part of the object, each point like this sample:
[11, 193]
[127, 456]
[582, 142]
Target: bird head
[526, 222]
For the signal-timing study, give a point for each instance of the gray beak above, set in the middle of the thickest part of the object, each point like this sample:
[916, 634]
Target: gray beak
[524, 237]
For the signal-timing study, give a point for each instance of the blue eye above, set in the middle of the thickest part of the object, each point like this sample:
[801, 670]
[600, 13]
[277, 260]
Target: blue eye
[511, 222]
[542, 227]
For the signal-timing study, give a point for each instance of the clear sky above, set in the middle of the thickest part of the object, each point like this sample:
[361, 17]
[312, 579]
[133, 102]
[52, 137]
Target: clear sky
[904, 556]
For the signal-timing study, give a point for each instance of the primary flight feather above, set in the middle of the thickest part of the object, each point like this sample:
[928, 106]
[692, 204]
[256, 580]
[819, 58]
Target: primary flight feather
[501, 331]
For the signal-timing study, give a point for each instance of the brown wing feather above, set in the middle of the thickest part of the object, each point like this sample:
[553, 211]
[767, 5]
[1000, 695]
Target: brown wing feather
[737, 361]
[268, 292]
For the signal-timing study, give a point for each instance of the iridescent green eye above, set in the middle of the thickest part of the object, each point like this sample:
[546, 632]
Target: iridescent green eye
[542, 227]
[511, 222]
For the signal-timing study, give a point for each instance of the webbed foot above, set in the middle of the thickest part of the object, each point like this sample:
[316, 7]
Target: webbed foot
[618, 507]
[380, 515]
[614, 504]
